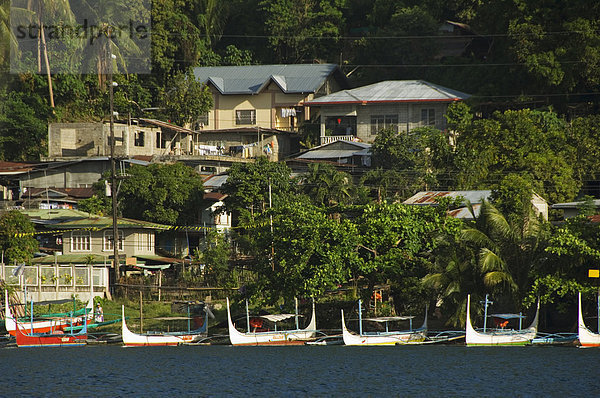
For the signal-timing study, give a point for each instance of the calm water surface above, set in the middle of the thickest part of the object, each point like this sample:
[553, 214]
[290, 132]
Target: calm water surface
[215, 371]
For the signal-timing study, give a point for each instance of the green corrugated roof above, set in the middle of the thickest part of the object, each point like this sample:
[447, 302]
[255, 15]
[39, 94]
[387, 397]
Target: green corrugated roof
[73, 259]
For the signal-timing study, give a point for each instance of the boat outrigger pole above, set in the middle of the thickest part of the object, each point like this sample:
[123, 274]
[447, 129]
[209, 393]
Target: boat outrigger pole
[296, 303]
[247, 316]
[360, 317]
[486, 302]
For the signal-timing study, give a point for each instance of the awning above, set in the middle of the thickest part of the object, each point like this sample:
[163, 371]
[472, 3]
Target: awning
[154, 267]
[508, 316]
[277, 317]
[388, 318]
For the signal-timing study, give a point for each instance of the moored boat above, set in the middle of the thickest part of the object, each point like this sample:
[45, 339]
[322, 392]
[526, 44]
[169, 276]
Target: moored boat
[273, 337]
[48, 324]
[383, 338]
[55, 338]
[502, 336]
[587, 338]
[131, 339]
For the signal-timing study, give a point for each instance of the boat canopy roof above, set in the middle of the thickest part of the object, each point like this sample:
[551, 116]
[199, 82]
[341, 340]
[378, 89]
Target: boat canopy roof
[508, 316]
[276, 317]
[389, 318]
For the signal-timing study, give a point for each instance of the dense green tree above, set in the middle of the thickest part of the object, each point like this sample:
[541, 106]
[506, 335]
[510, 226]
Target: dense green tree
[530, 143]
[162, 193]
[215, 259]
[422, 156]
[394, 242]
[23, 131]
[247, 187]
[303, 30]
[186, 99]
[17, 237]
[307, 253]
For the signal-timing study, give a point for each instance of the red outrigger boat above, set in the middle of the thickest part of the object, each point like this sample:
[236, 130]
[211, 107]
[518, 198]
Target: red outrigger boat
[54, 338]
[44, 325]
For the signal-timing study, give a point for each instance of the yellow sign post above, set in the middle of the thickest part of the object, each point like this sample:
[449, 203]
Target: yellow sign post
[595, 273]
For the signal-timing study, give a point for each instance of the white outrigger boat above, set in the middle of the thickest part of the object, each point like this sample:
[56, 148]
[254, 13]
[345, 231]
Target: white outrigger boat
[131, 339]
[388, 337]
[587, 338]
[273, 337]
[500, 337]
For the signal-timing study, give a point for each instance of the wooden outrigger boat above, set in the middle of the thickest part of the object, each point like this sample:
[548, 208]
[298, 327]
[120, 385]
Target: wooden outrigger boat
[387, 337]
[274, 337]
[500, 337]
[131, 339]
[53, 338]
[46, 324]
[587, 338]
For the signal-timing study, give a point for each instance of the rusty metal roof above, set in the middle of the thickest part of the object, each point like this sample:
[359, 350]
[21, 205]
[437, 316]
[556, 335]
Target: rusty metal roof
[430, 197]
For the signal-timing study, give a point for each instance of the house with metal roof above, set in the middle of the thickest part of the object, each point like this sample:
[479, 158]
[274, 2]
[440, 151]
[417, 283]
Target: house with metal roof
[267, 96]
[402, 105]
[475, 198]
[79, 254]
[339, 153]
[572, 209]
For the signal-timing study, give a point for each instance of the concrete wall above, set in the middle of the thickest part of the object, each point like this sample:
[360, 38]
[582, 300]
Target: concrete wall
[76, 175]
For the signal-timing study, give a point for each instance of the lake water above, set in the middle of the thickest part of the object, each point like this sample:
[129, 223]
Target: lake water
[301, 371]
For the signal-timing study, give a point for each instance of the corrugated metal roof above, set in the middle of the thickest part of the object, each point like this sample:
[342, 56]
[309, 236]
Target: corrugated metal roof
[336, 150]
[393, 91]
[251, 79]
[214, 182]
[573, 205]
[429, 197]
[166, 125]
[328, 154]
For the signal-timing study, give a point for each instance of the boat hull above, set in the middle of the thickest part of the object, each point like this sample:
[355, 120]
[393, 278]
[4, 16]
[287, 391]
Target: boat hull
[276, 338]
[586, 337]
[499, 337]
[25, 339]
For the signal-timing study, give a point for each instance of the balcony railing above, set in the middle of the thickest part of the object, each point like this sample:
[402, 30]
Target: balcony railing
[326, 139]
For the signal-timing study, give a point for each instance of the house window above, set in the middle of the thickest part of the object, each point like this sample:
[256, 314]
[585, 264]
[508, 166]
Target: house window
[138, 139]
[245, 117]
[118, 138]
[428, 117]
[380, 122]
[108, 241]
[81, 241]
[145, 242]
[203, 120]
[161, 142]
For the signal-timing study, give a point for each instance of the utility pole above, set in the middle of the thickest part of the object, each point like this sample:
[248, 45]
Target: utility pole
[113, 176]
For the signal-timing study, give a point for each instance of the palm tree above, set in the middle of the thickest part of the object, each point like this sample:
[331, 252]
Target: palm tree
[42, 11]
[490, 254]
[327, 186]
[108, 15]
